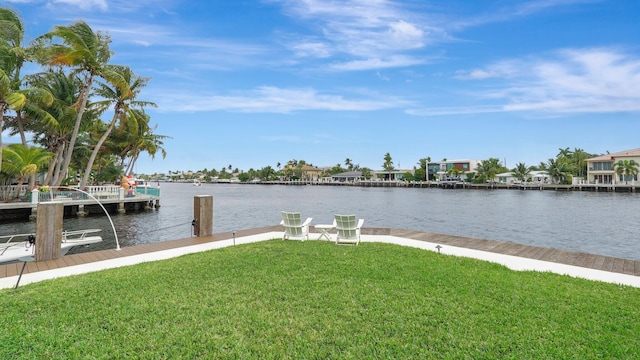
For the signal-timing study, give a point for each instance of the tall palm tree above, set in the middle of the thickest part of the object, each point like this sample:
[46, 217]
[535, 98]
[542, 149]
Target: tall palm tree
[151, 144]
[122, 100]
[55, 135]
[579, 156]
[628, 168]
[24, 162]
[348, 163]
[388, 162]
[87, 54]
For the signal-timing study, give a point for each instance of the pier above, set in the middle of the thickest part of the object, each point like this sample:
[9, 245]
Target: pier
[83, 202]
[627, 188]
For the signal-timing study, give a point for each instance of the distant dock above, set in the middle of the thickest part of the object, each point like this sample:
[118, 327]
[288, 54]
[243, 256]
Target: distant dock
[81, 203]
[628, 188]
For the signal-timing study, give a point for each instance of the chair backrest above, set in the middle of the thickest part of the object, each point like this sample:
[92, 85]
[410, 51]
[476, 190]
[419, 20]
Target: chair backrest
[292, 222]
[346, 226]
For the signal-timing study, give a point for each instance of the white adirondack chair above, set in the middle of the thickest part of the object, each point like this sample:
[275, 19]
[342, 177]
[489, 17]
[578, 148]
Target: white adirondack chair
[294, 228]
[347, 229]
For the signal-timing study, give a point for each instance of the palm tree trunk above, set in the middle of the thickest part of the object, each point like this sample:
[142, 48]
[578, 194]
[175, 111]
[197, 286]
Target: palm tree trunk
[134, 158]
[52, 164]
[76, 130]
[19, 119]
[58, 165]
[2, 109]
[96, 149]
[16, 192]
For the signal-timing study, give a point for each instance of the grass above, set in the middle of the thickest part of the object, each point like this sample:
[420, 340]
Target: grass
[314, 300]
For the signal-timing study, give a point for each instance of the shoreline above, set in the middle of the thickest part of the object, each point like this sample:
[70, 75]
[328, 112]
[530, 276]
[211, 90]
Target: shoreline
[514, 256]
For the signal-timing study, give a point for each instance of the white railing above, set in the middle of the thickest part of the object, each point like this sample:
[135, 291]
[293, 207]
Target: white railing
[9, 191]
[100, 192]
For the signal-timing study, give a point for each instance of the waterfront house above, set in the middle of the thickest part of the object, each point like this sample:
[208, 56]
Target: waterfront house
[391, 175]
[311, 173]
[601, 169]
[534, 177]
[461, 167]
[350, 176]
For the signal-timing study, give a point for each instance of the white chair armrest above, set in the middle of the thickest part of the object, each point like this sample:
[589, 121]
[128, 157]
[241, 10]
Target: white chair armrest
[360, 223]
[307, 222]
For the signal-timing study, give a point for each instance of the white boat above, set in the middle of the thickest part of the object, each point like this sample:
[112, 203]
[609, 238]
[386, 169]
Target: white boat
[196, 183]
[14, 247]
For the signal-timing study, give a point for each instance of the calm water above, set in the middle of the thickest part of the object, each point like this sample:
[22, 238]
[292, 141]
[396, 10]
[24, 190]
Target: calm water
[597, 223]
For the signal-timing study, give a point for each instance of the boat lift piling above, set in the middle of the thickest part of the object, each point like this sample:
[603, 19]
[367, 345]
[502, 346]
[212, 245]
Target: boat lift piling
[48, 239]
[202, 215]
[49, 230]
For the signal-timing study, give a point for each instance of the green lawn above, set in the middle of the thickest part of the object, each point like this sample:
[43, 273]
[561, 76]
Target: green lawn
[315, 300]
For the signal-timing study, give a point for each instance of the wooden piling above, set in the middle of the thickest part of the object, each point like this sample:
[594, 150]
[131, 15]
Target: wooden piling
[48, 230]
[203, 215]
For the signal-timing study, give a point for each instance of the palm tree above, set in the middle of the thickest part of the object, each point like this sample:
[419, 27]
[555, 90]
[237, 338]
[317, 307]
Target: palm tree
[521, 171]
[557, 169]
[24, 162]
[579, 156]
[488, 169]
[628, 168]
[88, 54]
[54, 135]
[9, 100]
[122, 99]
[146, 141]
[348, 163]
[388, 163]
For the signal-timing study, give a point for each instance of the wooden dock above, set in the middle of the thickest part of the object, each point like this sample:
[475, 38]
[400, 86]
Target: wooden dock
[587, 261]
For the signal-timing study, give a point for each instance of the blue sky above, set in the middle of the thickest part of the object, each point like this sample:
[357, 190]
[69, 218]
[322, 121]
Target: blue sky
[251, 83]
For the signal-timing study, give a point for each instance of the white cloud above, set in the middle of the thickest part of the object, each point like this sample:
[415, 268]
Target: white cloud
[84, 4]
[597, 80]
[376, 63]
[269, 99]
[363, 30]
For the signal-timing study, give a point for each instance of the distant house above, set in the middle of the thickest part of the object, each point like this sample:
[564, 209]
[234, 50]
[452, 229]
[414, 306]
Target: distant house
[311, 173]
[601, 169]
[391, 175]
[534, 177]
[349, 176]
[463, 167]
[306, 172]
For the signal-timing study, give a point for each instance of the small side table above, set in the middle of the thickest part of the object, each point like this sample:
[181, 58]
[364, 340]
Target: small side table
[324, 231]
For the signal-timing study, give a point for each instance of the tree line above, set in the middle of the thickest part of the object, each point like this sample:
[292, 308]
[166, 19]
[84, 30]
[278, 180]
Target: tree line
[82, 113]
[562, 169]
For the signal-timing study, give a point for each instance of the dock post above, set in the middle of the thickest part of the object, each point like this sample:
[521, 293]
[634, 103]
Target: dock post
[203, 215]
[48, 230]
[81, 211]
[35, 195]
[121, 209]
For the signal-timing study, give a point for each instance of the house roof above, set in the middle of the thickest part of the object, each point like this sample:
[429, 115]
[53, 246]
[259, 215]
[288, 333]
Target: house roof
[310, 168]
[348, 174]
[626, 153]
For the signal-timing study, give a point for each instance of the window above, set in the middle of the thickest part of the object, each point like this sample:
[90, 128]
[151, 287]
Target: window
[603, 166]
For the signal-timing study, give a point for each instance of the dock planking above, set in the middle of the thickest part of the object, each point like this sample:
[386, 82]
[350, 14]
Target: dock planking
[589, 261]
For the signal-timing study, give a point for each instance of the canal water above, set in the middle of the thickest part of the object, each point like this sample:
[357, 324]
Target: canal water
[600, 223]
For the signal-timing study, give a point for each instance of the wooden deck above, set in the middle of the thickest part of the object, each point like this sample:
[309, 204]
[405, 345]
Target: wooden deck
[590, 261]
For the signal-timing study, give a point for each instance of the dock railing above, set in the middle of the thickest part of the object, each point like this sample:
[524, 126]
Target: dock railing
[100, 192]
